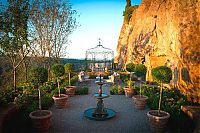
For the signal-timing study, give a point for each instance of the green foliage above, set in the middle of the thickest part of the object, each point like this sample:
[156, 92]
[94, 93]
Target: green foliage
[130, 67]
[56, 91]
[130, 83]
[74, 79]
[140, 70]
[58, 70]
[171, 103]
[162, 74]
[82, 90]
[68, 67]
[117, 90]
[124, 77]
[47, 101]
[128, 13]
[38, 75]
[7, 96]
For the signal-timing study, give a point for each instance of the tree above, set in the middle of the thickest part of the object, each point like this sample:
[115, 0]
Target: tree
[38, 76]
[58, 71]
[130, 67]
[13, 41]
[51, 23]
[161, 74]
[68, 69]
[140, 70]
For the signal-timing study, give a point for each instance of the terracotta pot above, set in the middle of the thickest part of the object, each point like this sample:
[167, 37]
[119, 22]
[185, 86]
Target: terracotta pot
[158, 123]
[70, 90]
[60, 102]
[41, 119]
[128, 91]
[140, 101]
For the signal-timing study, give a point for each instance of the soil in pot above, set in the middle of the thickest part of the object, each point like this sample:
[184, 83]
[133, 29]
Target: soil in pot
[70, 90]
[158, 121]
[140, 101]
[41, 120]
[60, 102]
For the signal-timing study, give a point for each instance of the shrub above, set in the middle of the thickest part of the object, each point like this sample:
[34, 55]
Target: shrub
[162, 74]
[117, 90]
[38, 75]
[130, 67]
[82, 90]
[69, 68]
[140, 70]
[128, 13]
[58, 70]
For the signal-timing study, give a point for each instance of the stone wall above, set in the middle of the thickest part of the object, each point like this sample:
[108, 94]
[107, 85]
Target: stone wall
[165, 32]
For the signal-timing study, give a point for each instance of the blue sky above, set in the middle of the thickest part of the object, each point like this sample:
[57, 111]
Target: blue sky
[98, 19]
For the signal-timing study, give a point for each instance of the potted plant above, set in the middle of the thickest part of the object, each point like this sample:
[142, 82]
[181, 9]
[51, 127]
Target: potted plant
[140, 100]
[60, 100]
[129, 90]
[70, 90]
[158, 119]
[41, 119]
[140, 71]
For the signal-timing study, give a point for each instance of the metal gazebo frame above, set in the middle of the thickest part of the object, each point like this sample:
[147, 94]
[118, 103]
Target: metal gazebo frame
[96, 64]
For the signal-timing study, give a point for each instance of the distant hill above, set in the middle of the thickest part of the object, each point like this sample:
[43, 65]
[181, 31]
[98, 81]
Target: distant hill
[79, 64]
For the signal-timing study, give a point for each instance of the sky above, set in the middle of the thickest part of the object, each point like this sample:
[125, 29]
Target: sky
[98, 19]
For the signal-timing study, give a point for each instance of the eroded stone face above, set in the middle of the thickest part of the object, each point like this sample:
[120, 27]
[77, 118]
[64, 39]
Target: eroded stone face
[165, 32]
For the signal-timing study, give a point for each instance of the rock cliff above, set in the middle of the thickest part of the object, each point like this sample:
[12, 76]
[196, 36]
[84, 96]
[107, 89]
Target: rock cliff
[165, 32]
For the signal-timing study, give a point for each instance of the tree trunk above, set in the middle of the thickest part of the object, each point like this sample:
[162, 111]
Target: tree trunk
[69, 80]
[14, 78]
[160, 99]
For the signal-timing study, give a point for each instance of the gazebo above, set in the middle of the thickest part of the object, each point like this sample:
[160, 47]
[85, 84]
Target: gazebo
[99, 58]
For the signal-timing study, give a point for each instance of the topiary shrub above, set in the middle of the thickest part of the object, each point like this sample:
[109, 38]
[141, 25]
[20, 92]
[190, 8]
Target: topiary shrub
[130, 67]
[38, 75]
[69, 69]
[140, 70]
[161, 74]
[58, 70]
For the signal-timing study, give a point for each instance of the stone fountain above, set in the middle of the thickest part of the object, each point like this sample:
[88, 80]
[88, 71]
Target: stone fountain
[99, 113]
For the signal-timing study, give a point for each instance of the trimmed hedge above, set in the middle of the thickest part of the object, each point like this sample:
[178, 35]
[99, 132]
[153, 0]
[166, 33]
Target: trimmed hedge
[162, 74]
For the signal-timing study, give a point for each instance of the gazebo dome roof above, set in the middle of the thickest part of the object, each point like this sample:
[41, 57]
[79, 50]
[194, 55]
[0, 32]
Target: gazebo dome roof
[99, 49]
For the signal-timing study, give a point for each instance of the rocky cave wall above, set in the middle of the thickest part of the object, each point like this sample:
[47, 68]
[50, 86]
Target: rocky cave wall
[165, 32]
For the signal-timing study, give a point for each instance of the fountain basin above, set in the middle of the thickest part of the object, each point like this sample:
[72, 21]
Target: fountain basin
[109, 114]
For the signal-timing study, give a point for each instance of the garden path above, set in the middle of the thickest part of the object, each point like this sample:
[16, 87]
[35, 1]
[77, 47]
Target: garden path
[127, 120]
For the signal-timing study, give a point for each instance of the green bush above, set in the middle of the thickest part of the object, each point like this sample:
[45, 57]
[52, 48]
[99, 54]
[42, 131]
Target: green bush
[69, 68]
[47, 101]
[56, 91]
[117, 90]
[128, 13]
[171, 103]
[82, 90]
[140, 70]
[162, 74]
[38, 75]
[58, 70]
[130, 67]
[74, 79]
[6, 96]
[124, 77]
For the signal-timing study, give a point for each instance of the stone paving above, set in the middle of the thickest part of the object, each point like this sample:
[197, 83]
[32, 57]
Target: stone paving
[127, 120]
